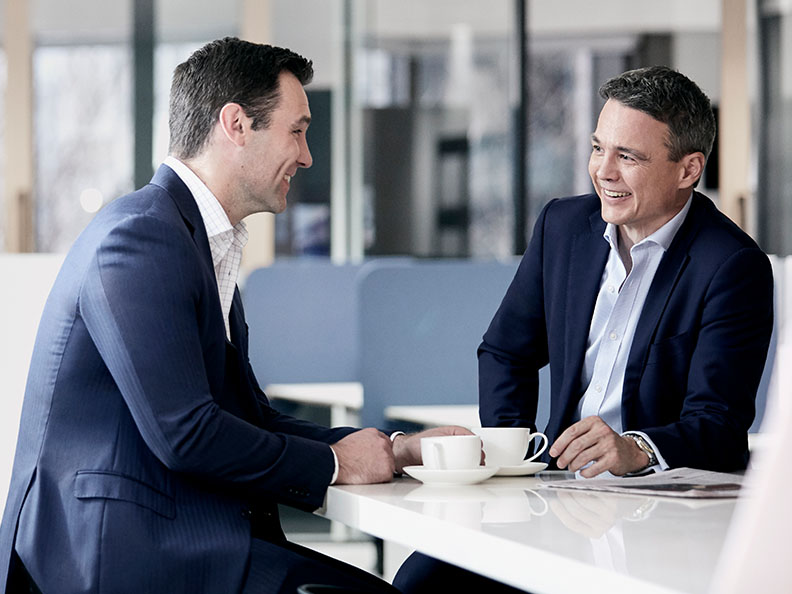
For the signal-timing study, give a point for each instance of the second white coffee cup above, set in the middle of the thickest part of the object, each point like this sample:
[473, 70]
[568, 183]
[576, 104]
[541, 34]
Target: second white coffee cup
[451, 452]
[507, 446]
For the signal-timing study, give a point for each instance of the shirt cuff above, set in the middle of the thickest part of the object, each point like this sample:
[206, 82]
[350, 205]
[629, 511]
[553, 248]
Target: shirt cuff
[335, 472]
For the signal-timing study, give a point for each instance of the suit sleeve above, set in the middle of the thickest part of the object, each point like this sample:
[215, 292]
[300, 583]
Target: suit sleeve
[144, 302]
[514, 346]
[726, 364]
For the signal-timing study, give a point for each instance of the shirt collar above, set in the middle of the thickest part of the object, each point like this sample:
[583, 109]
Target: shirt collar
[662, 237]
[214, 216]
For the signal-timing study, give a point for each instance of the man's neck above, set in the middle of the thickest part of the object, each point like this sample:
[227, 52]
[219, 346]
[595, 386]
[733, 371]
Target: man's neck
[207, 171]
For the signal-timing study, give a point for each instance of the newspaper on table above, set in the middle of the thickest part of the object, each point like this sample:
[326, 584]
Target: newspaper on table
[679, 482]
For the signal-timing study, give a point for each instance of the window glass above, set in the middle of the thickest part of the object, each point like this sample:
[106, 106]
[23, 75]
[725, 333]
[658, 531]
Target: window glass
[83, 137]
[437, 92]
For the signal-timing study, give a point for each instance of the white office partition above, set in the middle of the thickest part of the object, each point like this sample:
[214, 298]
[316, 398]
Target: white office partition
[27, 280]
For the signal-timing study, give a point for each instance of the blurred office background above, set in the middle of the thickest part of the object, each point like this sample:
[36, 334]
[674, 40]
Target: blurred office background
[441, 127]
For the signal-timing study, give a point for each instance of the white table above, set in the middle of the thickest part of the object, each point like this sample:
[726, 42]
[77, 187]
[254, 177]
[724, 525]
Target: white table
[344, 399]
[517, 531]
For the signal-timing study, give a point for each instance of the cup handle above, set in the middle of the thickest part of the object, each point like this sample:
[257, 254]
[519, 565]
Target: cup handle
[538, 453]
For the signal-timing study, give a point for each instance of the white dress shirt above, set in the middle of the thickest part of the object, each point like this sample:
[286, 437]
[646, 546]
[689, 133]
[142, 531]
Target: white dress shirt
[225, 241]
[618, 307]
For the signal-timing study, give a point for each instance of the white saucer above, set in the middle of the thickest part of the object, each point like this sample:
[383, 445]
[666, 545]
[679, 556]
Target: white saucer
[467, 476]
[523, 469]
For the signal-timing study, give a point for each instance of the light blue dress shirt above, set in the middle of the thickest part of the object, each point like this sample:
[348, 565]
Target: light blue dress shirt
[618, 307]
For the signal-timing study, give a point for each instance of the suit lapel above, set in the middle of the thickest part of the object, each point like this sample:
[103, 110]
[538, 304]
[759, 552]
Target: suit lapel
[666, 278]
[587, 256]
[238, 395]
[167, 179]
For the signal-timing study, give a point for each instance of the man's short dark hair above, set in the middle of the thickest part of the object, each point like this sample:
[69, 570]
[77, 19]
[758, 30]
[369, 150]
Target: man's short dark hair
[670, 98]
[227, 70]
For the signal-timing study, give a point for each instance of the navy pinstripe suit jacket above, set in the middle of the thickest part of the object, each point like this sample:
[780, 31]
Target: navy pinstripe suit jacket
[147, 455]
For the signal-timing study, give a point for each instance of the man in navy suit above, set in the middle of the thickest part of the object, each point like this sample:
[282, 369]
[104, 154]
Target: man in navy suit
[148, 458]
[653, 310]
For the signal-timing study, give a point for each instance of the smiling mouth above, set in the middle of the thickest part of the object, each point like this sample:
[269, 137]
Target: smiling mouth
[612, 194]
[287, 177]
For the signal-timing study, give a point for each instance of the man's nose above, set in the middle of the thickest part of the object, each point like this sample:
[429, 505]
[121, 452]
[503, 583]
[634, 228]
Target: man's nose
[305, 159]
[606, 168]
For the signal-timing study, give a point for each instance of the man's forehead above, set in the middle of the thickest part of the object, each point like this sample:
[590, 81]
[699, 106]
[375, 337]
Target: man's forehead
[620, 123]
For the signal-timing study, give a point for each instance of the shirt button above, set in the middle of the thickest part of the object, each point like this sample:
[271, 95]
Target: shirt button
[611, 289]
[613, 336]
[598, 388]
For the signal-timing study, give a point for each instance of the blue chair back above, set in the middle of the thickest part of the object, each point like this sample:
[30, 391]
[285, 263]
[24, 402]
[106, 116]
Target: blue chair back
[303, 322]
[419, 327]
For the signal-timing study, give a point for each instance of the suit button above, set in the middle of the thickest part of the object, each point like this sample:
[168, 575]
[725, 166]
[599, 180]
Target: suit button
[247, 514]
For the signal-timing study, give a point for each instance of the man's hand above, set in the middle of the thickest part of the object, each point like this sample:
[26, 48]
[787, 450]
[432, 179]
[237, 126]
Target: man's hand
[407, 448]
[365, 456]
[592, 440]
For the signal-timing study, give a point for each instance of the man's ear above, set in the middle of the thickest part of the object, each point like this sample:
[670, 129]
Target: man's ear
[234, 123]
[692, 168]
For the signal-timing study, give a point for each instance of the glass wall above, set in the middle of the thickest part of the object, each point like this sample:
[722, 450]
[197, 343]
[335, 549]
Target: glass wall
[82, 125]
[435, 92]
[84, 131]
[437, 88]
[437, 85]
[83, 137]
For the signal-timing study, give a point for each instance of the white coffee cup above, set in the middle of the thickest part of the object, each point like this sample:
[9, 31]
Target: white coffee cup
[451, 452]
[507, 446]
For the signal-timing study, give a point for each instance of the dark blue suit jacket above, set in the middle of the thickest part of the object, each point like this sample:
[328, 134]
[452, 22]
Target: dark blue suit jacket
[699, 347]
[147, 454]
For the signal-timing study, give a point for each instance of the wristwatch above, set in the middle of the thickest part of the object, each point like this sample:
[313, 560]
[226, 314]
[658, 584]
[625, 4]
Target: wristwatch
[644, 446]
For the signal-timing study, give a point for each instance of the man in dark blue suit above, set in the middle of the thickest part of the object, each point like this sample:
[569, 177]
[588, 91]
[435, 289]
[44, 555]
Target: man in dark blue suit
[148, 458]
[653, 310]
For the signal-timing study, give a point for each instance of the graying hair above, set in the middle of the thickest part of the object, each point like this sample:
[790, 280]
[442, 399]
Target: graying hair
[670, 98]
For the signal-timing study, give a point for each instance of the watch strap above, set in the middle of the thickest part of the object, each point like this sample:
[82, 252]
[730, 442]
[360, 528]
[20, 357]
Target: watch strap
[645, 447]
